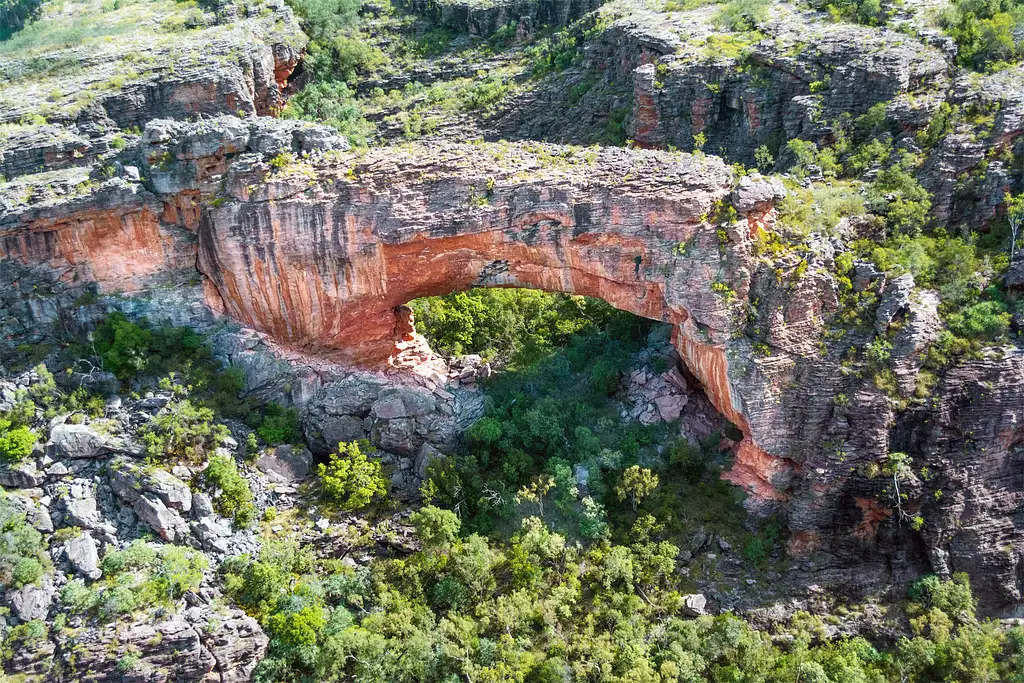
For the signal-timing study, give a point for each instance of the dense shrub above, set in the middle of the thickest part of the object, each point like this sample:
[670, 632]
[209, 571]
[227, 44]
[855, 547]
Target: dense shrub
[743, 15]
[959, 270]
[182, 432]
[235, 496]
[987, 32]
[278, 424]
[23, 558]
[332, 103]
[14, 14]
[16, 442]
[124, 346]
[896, 195]
[139, 577]
[515, 326]
[324, 19]
[538, 608]
[350, 479]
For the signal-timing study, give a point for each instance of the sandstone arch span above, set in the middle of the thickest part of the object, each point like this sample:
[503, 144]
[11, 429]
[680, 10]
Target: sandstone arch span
[321, 257]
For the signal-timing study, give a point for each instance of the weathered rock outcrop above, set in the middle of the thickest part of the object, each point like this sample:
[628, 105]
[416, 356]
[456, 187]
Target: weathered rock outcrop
[203, 644]
[670, 76]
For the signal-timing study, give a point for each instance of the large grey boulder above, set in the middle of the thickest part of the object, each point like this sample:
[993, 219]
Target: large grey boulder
[84, 557]
[164, 521]
[397, 436]
[694, 605]
[403, 402]
[401, 419]
[36, 514]
[425, 458]
[338, 410]
[286, 463]
[98, 382]
[212, 532]
[75, 442]
[174, 493]
[21, 475]
[895, 299]
[32, 601]
[754, 193]
[131, 480]
[80, 507]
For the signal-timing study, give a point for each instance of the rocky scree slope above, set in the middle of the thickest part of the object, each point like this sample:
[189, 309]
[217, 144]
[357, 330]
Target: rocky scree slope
[115, 525]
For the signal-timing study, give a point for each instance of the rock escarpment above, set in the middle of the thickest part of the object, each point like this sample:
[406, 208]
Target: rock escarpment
[315, 246]
[672, 77]
[318, 251]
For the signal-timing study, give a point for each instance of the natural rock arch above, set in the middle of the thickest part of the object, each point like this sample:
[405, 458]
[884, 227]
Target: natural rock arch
[320, 258]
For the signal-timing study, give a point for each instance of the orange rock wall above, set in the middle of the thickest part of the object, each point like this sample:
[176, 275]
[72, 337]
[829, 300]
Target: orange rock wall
[120, 249]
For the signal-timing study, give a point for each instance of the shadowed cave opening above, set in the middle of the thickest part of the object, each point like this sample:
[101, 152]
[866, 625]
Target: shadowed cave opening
[590, 420]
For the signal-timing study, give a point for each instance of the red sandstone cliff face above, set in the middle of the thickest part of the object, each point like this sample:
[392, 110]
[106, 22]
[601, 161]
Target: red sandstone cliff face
[325, 265]
[121, 249]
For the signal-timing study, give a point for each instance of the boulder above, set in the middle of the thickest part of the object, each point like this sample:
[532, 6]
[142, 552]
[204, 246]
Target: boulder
[21, 475]
[286, 463]
[670, 407]
[401, 418]
[694, 605]
[403, 402]
[32, 601]
[427, 456]
[131, 480]
[83, 555]
[74, 442]
[212, 533]
[337, 411]
[895, 299]
[35, 513]
[398, 435]
[97, 382]
[202, 506]
[164, 521]
[80, 506]
[237, 643]
[174, 493]
[754, 193]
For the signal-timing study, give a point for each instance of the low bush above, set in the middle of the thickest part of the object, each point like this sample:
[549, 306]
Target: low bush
[279, 425]
[139, 577]
[16, 442]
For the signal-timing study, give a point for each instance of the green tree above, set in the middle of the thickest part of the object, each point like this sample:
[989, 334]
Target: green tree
[435, 527]
[637, 483]
[351, 480]
[182, 431]
[1015, 217]
[22, 555]
[124, 346]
